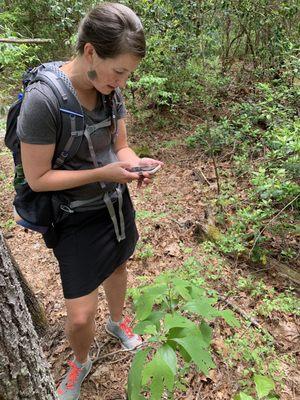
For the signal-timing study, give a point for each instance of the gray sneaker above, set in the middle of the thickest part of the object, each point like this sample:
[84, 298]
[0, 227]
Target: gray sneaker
[69, 388]
[123, 332]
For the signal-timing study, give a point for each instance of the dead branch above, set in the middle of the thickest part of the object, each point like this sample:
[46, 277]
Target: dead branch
[23, 41]
[271, 220]
[242, 313]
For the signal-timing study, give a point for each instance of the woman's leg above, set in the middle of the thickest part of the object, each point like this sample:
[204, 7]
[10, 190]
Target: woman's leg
[115, 290]
[80, 326]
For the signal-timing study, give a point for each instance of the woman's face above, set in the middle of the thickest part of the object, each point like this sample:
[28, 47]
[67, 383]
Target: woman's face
[112, 72]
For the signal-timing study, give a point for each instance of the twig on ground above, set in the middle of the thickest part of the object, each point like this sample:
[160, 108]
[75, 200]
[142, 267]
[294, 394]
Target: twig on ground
[244, 315]
[144, 344]
[204, 177]
[99, 348]
[181, 224]
[109, 354]
[118, 359]
[271, 220]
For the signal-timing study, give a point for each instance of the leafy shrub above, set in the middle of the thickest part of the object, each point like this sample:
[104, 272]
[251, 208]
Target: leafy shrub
[174, 313]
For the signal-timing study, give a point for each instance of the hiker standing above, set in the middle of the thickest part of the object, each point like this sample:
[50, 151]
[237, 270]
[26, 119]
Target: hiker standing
[94, 241]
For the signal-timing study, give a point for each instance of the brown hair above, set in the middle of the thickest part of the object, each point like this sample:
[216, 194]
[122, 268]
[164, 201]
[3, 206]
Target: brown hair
[113, 29]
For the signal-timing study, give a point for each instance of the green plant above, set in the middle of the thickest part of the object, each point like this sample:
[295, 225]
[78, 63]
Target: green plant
[9, 224]
[145, 214]
[145, 251]
[265, 389]
[154, 88]
[285, 302]
[274, 184]
[169, 144]
[175, 314]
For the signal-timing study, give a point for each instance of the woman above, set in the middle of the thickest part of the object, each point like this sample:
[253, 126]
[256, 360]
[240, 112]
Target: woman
[95, 241]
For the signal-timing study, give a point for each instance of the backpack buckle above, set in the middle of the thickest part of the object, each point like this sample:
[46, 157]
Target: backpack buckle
[67, 209]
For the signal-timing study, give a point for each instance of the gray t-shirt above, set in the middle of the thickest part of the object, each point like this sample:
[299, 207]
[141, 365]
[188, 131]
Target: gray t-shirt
[39, 122]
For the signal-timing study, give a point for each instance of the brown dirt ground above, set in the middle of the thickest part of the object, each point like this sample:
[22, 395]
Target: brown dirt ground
[178, 199]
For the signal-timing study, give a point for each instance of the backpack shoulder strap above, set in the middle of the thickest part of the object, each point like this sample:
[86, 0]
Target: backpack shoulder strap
[72, 117]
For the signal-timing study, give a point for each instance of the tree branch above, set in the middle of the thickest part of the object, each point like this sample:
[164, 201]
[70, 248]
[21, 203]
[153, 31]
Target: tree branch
[21, 41]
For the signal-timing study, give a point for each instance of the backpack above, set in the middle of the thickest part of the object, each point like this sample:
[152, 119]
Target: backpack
[40, 211]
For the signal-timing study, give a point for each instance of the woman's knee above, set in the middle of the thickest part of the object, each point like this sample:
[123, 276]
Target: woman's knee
[80, 320]
[81, 312]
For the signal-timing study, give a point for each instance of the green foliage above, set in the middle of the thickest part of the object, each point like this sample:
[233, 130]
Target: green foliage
[145, 214]
[283, 302]
[49, 19]
[191, 45]
[264, 385]
[263, 133]
[9, 224]
[145, 251]
[264, 389]
[267, 299]
[154, 88]
[173, 312]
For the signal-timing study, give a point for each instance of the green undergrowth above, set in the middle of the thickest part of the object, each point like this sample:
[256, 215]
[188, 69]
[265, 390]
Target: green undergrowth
[186, 302]
[259, 200]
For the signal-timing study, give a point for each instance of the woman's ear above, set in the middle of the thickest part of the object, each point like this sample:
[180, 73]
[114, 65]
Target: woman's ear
[88, 52]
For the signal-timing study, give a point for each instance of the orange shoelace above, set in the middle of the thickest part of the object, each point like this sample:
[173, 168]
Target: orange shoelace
[126, 328]
[73, 375]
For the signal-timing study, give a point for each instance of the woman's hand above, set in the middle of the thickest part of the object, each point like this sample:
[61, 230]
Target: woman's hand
[145, 178]
[117, 172]
[149, 161]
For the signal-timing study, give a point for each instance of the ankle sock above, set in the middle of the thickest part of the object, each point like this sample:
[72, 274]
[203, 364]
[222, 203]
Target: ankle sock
[85, 364]
[115, 322]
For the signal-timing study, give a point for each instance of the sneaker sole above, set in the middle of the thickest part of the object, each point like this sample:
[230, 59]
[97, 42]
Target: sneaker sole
[122, 345]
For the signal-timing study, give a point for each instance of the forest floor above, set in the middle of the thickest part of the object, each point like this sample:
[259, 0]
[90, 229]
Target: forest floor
[167, 213]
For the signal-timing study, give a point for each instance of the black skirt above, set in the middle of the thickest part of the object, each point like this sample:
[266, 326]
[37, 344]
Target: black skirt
[88, 251]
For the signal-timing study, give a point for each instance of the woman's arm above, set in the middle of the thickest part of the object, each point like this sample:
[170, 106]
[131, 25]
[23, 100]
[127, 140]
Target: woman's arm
[37, 165]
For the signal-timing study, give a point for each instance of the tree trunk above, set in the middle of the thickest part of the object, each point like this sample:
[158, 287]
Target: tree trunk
[35, 308]
[24, 374]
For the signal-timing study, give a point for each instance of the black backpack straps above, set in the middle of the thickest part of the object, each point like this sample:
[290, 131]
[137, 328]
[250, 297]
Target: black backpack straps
[75, 137]
[72, 118]
[111, 104]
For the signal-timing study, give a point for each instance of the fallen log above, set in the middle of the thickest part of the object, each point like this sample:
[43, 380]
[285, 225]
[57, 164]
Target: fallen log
[207, 230]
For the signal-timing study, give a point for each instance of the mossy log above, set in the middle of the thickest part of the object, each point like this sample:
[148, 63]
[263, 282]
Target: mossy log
[207, 230]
